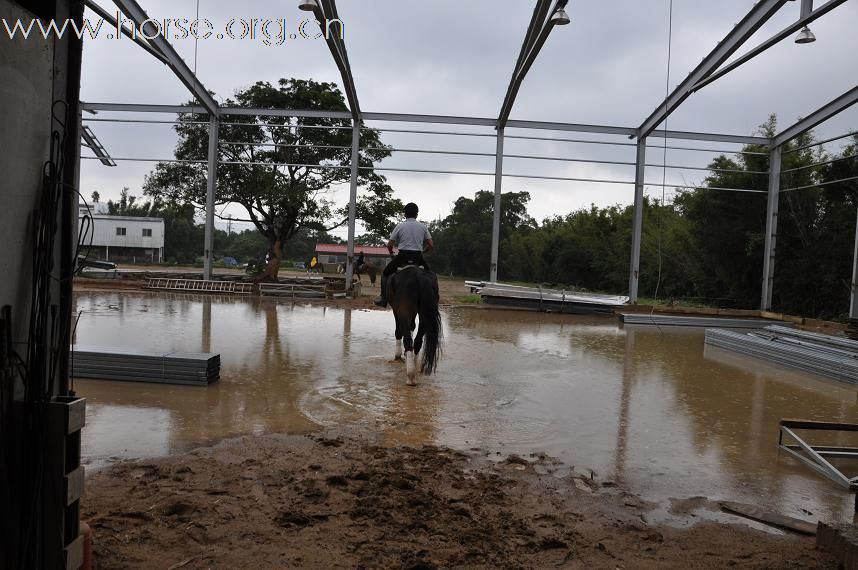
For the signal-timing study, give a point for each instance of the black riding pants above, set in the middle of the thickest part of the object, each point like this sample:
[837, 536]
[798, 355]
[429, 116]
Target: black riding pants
[403, 258]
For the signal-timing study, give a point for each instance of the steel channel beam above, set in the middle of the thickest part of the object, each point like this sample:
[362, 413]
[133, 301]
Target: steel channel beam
[822, 114]
[637, 223]
[496, 217]
[438, 119]
[133, 10]
[771, 229]
[111, 19]
[528, 56]
[350, 248]
[777, 38]
[759, 15]
[853, 296]
[211, 187]
[817, 462]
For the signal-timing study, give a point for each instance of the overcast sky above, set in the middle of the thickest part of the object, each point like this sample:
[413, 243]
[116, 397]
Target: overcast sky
[609, 66]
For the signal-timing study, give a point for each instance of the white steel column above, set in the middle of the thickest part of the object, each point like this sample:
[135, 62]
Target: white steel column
[350, 251]
[637, 223]
[211, 185]
[853, 301]
[771, 228]
[493, 269]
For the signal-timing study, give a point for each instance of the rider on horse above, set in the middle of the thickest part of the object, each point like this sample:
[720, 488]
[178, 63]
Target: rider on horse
[413, 240]
[359, 263]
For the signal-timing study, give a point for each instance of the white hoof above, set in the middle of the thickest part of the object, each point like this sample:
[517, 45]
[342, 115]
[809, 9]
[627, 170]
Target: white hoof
[410, 368]
[398, 355]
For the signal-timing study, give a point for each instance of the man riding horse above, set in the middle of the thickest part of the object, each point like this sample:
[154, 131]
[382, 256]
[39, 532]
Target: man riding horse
[413, 240]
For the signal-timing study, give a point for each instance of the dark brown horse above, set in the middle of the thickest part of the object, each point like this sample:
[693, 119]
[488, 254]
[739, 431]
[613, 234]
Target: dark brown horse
[413, 293]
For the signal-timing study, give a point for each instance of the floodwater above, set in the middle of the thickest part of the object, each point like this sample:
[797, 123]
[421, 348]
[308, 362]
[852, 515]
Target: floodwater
[649, 408]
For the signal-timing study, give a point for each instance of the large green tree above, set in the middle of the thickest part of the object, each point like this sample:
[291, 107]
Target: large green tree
[281, 170]
[463, 239]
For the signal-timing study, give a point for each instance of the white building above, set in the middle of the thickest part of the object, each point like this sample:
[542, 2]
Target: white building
[125, 238]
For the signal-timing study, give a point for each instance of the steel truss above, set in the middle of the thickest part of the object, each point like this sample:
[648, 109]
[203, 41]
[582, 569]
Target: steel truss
[814, 456]
[547, 15]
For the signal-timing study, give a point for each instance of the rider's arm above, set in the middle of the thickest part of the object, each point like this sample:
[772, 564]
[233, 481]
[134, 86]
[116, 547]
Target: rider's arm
[429, 245]
[390, 244]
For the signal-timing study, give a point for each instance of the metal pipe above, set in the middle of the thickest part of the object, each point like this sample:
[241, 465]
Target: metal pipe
[637, 223]
[821, 142]
[820, 184]
[771, 229]
[820, 163]
[496, 217]
[211, 185]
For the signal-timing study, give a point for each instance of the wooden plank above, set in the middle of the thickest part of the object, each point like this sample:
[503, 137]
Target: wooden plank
[770, 518]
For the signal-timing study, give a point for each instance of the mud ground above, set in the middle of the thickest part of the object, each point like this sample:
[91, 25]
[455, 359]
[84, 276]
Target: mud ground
[331, 501]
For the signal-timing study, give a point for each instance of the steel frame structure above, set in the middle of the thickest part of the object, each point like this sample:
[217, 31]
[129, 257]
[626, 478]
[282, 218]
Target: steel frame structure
[814, 456]
[542, 22]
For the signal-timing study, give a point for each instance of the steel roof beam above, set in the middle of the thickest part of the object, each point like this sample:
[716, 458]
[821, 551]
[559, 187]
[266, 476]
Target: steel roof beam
[111, 19]
[325, 12]
[758, 16]
[538, 31]
[824, 113]
[437, 119]
[133, 10]
[780, 36]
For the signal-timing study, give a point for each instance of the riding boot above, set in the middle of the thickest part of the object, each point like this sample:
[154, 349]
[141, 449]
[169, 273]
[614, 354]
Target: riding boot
[381, 300]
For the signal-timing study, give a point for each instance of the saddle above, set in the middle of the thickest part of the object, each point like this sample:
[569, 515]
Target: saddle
[410, 266]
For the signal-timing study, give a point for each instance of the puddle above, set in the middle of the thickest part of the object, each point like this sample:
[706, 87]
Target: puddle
[643, 407]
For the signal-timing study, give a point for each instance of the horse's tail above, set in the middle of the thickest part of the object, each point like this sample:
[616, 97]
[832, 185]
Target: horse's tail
[430, 320]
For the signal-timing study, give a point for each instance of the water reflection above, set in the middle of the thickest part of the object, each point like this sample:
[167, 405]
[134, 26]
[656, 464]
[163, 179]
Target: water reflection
[637, 404]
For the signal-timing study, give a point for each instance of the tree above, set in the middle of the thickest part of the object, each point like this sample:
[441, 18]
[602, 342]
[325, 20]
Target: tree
[463, 239]
[280, 170]
[96, 197]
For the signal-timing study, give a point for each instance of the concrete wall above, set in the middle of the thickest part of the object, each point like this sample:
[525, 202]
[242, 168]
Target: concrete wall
[25, 122]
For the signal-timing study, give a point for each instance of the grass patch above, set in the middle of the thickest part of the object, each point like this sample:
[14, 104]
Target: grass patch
[472, 298]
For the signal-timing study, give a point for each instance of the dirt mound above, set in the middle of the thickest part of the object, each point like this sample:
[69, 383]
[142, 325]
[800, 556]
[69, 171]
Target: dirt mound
[340, 502]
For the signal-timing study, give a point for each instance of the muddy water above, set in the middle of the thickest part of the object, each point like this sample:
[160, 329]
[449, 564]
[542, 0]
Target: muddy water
[650, 409]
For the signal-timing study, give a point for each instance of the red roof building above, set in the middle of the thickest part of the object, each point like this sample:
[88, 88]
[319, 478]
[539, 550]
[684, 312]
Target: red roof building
[336, 252]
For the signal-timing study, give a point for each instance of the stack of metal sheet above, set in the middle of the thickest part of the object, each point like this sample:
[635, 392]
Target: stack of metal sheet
[542, 299]
[691, 321]
[788, 348]
[303, 290]
[191, 368]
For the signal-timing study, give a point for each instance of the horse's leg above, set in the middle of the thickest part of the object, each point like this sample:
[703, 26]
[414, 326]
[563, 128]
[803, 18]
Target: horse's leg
[398, 333]
[410, 359]
[418, 339]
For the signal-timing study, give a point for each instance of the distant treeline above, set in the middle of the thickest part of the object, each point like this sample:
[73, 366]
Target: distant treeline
[703, 246]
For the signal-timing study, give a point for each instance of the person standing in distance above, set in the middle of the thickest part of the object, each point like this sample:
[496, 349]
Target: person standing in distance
[413, 240]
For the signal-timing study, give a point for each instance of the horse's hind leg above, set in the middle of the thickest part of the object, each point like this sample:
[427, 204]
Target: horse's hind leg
[410, 358]
[398, 333]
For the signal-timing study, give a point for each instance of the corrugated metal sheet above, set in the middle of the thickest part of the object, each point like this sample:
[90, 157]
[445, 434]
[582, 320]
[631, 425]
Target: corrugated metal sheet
[814, 357]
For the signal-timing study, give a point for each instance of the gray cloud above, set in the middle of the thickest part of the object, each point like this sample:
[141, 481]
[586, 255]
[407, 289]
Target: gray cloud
[444, 57]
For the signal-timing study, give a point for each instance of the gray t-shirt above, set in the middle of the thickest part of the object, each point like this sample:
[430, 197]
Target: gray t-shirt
[410, 235]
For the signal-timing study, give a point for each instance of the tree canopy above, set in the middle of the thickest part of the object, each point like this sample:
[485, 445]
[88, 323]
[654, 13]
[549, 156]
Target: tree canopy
[281, 170]
[703, 246]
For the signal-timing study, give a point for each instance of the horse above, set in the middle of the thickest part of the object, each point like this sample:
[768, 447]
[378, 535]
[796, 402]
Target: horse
[367, 268]
[413, 292]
